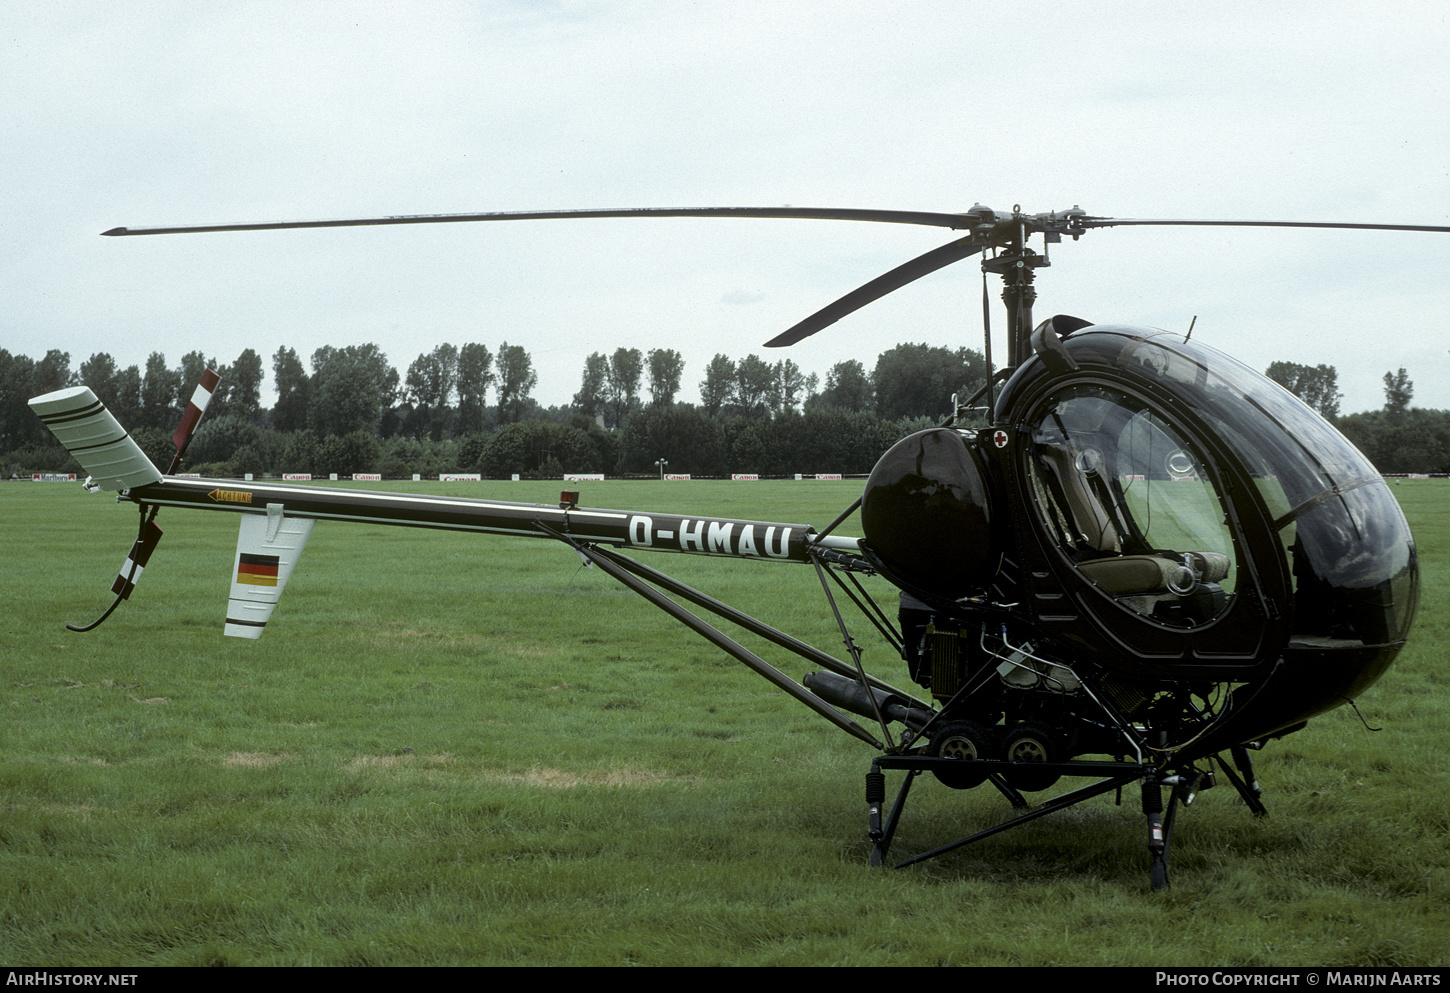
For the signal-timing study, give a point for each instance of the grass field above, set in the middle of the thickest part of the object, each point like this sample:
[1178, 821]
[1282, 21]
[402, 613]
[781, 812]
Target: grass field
[468, 750]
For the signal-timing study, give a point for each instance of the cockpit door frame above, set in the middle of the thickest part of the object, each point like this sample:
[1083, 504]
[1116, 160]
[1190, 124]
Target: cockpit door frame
[1240, 643]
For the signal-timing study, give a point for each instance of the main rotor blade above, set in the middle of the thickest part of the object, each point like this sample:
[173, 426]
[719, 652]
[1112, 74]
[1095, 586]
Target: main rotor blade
[1108, 222]
[920, 266]
[940, 220]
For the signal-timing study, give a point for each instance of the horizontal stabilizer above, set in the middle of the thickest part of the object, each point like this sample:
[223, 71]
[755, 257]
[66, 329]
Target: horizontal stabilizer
[96, 439]
[268, 548]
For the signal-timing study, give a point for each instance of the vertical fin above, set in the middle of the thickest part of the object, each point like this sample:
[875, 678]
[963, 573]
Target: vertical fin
[267, 550]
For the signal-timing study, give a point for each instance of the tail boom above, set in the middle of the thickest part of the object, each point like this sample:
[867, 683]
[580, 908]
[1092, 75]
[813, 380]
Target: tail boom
[764, 540]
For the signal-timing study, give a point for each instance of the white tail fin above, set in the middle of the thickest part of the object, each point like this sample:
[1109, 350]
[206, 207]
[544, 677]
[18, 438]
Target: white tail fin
[267, 550]
[95, 438]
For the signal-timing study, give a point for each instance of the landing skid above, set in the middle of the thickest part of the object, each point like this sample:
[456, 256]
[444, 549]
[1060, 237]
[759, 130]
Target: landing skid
[888, 704]
[1183, 787]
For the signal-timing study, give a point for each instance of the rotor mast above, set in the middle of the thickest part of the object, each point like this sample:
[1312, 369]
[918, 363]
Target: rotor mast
[1016, 264]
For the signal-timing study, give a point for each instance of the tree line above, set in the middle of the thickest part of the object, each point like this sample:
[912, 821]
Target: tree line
[355, 412]
[1397, 438]
[470, 409]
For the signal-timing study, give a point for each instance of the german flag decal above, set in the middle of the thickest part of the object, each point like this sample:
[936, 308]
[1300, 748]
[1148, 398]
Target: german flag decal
[257, 570]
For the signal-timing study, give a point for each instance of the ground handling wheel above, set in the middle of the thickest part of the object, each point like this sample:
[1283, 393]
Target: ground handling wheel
[964, 740]
[1030, 742]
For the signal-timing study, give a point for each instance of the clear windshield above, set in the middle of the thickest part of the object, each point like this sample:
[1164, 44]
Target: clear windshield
[1129, 502]
[1349, 549]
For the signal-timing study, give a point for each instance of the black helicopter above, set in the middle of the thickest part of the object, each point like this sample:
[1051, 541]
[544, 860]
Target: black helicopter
[1149, 558]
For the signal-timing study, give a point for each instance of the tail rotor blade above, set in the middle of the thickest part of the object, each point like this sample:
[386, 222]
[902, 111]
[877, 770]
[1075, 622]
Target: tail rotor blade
[136, 560]
[181, 438]
[130, 573]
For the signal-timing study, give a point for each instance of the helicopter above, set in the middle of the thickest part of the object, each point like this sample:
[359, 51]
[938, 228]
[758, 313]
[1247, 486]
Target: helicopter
[1149, 563]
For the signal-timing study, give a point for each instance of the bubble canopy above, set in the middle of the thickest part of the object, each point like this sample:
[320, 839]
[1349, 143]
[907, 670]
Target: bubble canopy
[1175, 438]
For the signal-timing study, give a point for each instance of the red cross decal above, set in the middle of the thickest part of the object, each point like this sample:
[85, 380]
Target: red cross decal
[999, 438]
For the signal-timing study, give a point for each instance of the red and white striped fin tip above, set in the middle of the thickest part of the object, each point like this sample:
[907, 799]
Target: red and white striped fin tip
[192, 416]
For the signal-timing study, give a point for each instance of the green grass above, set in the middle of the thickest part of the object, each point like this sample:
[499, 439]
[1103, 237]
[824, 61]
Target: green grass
[469, 750]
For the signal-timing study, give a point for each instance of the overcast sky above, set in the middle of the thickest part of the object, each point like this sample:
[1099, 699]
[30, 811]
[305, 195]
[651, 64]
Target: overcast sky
[158, 113]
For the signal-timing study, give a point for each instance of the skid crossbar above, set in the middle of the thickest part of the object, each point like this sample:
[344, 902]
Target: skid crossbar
[1116, 775]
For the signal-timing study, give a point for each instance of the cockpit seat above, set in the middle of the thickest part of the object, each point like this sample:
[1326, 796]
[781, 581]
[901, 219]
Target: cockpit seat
[1168, 572]
[1121, 575]
[1087, 520]
[1083, 522]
